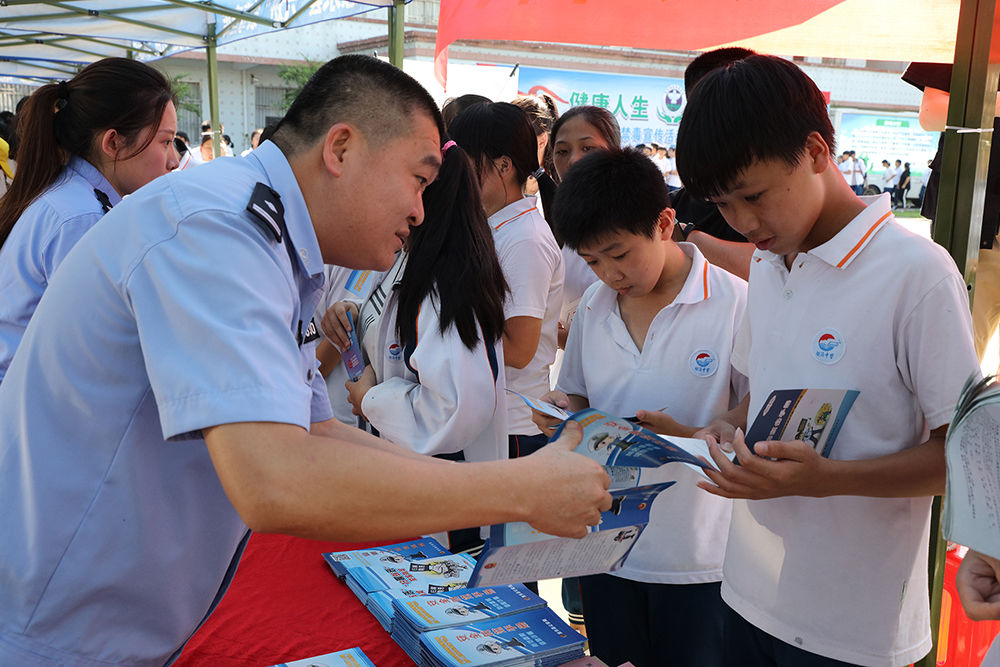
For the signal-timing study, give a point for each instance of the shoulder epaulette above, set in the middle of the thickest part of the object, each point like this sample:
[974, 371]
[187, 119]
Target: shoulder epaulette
[268, 213]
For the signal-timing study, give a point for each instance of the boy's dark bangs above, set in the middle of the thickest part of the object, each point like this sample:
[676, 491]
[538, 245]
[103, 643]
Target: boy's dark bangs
[758, 109]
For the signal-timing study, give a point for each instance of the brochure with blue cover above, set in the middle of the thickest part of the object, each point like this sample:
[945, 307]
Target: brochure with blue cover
[415, 615]
[424, 547]
[516, 552]
[352, 657]
[536, 637]
[353, 360]
[377, 585]
[814, 416]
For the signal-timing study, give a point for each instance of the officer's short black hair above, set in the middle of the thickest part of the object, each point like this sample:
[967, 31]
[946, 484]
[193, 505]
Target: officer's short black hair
[607, 191]
[366, 92]
[759, 108]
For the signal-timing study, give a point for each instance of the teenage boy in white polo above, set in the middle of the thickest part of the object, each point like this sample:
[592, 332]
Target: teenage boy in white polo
[827, 557]
[655, 333]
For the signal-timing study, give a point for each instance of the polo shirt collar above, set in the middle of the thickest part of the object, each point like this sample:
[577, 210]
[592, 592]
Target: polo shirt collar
[94, 177]
[850, 241]
[696, 286]
[512, 212]
[298, 224]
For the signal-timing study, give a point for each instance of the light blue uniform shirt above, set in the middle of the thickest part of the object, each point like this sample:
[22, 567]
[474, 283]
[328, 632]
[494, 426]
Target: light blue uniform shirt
[176, 313]
[45, 232]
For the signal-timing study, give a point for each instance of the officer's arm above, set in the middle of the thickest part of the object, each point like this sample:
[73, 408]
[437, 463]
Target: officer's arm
[281, 479]
[333, 428]
[733, 256]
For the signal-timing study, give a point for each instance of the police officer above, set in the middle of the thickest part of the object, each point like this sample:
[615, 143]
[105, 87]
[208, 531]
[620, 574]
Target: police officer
[165, 395]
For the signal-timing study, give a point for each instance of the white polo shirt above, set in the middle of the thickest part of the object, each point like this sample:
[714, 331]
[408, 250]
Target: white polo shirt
[884, 311]
[533, 266]
[685, 366]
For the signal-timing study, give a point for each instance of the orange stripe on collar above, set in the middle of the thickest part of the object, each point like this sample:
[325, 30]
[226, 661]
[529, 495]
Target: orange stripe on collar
[514, 218]
[864, 238]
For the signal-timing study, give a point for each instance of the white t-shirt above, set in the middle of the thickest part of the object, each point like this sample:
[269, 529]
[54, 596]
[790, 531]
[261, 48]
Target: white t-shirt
[533, 267]
[847, 169]
[685, 540]
[455, 404]
[674, 179]
[884, 311]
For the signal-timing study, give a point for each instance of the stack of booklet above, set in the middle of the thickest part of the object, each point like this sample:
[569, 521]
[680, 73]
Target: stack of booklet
[376, 585]
[425, 547]
[971, 514]
[538, 638]
[352, 657]
[417, 615]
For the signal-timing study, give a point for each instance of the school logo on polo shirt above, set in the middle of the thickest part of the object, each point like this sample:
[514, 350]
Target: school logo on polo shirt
[828, 346]
[394, 352]
[703, 363]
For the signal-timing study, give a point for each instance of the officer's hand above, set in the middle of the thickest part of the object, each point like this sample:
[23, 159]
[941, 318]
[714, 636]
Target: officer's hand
[356, 390]
[336, 325]
[545, 423]
[566, 492]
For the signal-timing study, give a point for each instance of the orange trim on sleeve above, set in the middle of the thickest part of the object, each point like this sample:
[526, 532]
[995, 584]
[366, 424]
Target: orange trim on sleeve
[514, 218]
[864, 238]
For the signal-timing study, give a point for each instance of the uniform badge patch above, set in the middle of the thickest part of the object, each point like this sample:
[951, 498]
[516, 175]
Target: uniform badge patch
[828, 346]
[704, 363]
[394, 352]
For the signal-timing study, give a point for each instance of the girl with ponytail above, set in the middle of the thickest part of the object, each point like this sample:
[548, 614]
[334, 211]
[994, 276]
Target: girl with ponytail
[83, 144]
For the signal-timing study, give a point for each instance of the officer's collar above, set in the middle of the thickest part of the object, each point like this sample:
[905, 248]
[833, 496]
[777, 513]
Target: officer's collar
[93, 175]
[298, 224]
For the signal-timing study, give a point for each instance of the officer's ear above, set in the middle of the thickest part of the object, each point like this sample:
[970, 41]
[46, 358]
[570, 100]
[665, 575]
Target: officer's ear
[339, 139]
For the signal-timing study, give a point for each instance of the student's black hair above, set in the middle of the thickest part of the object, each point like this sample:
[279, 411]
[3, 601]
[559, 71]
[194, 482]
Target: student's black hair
[183, 135]
[712, 60]
[267, 133]
[756, 109]
[456, 105]
[366, 92]
[64, 119]
[608, 191]
[490, 131]
[452, 254]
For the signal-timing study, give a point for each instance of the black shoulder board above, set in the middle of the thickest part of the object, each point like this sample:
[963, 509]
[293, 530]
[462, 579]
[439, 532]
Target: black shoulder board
[310, 334]
[103, 199]
[268, 213]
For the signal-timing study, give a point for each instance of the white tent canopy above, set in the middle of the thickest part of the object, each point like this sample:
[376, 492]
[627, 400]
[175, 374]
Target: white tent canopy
[51, 39]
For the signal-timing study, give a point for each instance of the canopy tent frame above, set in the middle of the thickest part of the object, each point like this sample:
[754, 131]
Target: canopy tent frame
[209, 39]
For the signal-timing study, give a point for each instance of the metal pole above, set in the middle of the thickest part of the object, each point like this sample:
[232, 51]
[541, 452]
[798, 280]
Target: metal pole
[396, 28]
[213, 89]
[958, 220]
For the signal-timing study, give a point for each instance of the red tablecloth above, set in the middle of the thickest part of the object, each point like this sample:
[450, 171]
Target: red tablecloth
[285, 604]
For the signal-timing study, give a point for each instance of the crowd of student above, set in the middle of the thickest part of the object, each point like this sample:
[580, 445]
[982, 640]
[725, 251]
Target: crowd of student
[170, 369]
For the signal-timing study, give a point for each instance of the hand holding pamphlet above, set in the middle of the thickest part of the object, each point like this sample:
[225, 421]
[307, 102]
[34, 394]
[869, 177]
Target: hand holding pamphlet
[353, 361]
[814, 416]
[516, 552]
[971, 513]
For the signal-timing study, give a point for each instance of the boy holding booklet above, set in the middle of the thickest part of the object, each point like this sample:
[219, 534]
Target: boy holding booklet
[656, 331]
[827, 557]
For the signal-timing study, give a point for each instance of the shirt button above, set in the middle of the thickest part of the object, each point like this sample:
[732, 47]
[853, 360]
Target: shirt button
[788, 294]
[309, 375]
